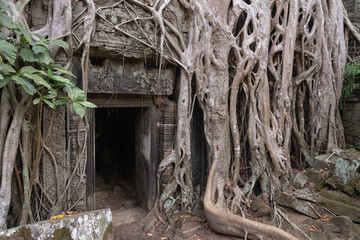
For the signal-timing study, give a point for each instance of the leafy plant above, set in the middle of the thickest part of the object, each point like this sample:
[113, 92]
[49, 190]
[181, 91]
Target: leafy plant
[352, 69]
[28, 63]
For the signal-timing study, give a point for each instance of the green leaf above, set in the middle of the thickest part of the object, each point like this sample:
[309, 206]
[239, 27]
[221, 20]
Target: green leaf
[50, 72]
[38, 36]
[8, 51]
[3, 6]
[75, 93]
[36, 101]
[50, 104]
[1, 77]
[78, 109]
[28, 55]
[64, 70]
[39, 49]
[25, 84]
[25, 32]
[5, 81]
[6, 21]
[23, 39]
[27, 69]
[62, 79]
[6, 68]
[17, 79]
[51, 94]
[45, 58]
[28, 87]
[60, 43]
[40, 42]
[60, 101]
[37, 79]
[87, 104]
[70, 92]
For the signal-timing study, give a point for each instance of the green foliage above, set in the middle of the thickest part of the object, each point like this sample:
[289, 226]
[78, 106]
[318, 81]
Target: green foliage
[28, 63]
[352, 69]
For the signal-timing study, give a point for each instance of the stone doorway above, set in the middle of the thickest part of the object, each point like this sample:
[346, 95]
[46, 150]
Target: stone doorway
[123, 153]
[115, 168]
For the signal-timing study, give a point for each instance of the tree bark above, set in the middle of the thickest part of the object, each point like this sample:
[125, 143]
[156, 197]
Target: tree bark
[9, 154]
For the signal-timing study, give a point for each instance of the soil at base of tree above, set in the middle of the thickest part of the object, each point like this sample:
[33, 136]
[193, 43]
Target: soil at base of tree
[129, 219]
[135, 230]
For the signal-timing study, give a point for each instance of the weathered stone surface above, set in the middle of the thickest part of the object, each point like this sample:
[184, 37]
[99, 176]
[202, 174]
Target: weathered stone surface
[345, 170]
[54, 176]
[351, 119]
[325, 236]
[121, 217]
[130, 78]
[347, 227]
[187, 226]
[119, 35]
[299, 180]
[336, 184]
[302, 206]
[345, 176]
[329, 227]
[340, 197]
[83, 226]
[317, 177]
[340, 208]
[354, 238]
[149, 226]
[129, 203]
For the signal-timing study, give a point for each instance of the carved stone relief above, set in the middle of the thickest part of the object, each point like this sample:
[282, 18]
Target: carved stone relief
[55, 168]
[130, 78]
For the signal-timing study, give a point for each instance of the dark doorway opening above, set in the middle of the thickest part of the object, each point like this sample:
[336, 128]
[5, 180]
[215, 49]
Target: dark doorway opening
[115, 145]
[123, 155]
[115, 157]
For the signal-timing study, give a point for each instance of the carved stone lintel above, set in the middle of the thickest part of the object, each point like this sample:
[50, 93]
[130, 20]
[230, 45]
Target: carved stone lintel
[130, 78]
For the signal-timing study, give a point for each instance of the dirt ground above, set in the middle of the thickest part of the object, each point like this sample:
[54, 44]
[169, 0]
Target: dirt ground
[135, 230]
[132, 223]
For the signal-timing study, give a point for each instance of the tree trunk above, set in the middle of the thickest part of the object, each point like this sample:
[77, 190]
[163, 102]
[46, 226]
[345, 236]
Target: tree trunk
[9, 155]
[26, 157]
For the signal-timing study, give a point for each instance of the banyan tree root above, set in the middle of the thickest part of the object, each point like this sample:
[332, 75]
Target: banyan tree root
[267, 75]
[235, 225]
[268, 89]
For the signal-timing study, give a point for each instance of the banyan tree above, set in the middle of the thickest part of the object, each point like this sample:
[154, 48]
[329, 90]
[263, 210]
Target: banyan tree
[267, 75]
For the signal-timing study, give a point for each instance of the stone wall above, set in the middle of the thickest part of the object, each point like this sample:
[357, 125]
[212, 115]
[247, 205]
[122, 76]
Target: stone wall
[129, 77]
[95, 225]
[351, 111]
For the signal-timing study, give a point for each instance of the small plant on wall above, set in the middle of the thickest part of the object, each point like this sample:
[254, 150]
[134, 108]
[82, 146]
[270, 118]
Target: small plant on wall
[352, 70]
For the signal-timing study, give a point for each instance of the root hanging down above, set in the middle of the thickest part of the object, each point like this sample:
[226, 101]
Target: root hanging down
[268, 89]
[266, 74]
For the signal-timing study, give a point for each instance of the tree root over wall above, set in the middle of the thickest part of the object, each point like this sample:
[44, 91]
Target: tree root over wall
[267, 75]
[235, 225]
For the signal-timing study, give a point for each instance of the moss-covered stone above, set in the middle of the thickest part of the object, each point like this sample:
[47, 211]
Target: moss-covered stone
[340, 208]
[317, 177]
[21, 233]
[108, 235]
[89, 225]
[61, 234]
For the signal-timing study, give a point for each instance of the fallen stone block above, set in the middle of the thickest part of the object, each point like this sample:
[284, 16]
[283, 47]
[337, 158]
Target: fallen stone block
[187, 226]
[340, 208]
[299, 180]
[300, 205]
[317, 177]
[88, 225]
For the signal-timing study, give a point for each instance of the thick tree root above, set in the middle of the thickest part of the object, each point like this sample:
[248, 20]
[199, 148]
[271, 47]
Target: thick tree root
[234, 225]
